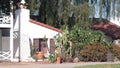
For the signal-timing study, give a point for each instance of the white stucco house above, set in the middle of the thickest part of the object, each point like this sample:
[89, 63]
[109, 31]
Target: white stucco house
[18, 36]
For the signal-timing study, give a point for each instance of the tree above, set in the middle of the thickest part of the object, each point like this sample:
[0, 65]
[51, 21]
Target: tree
[107, 8]
[32, 6]
[53, 12]
[79, 33]
[4, 7]
[58, 12]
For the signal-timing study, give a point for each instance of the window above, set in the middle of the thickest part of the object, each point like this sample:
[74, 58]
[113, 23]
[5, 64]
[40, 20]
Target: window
[40, 45]
[6, 32]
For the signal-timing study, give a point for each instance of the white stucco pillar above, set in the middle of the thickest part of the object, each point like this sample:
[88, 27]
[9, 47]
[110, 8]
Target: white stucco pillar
[0, 40]
[48, 42]
[24, 38]
[23, 44]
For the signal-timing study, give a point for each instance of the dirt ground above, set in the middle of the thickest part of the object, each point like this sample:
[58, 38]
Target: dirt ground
[49, 65]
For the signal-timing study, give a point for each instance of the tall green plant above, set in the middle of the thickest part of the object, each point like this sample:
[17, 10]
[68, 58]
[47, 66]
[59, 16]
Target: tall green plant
[82, 36]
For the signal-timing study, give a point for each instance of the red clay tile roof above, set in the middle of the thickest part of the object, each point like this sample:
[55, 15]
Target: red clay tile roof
[110, 29]
[45, 25]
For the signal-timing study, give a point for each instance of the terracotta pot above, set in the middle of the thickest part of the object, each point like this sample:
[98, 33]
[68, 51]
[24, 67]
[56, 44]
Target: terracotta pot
[39, 55]
[58, 60]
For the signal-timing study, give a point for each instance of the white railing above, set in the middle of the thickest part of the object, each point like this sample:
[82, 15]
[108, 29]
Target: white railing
[15, 34]
[4, 55]
[5, 21]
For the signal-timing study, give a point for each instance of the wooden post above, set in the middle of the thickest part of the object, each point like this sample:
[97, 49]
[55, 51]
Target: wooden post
[0, 39]
[11, 39]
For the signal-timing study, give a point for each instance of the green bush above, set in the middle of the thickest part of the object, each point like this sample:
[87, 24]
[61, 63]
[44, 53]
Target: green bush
[52, 57]
[94, 52]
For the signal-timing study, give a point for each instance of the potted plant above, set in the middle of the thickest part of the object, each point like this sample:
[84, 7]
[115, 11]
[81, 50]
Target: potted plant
[59, 59]
[39, 55]
[58, 47]
[58, 52]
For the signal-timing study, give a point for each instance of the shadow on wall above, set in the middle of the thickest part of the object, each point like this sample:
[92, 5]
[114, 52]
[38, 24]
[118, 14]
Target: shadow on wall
[16, 47]
[31, 48]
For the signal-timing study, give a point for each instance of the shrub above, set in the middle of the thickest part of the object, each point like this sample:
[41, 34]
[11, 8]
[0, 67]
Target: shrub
[115, 49]
[52, 57]
[94, 52]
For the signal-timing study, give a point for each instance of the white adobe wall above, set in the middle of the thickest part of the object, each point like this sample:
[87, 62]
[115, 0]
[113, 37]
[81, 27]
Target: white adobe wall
[37, 31]
[0, 40]
[115, 21]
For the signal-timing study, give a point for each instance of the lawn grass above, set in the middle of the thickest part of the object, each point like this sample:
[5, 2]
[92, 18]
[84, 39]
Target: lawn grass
[101, 66]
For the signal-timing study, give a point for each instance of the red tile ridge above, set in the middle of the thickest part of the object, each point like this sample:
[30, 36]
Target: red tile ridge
[45, 25]
[114, 24]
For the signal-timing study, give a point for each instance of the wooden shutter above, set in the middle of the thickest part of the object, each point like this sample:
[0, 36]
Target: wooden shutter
[52, 46]
[36, 43]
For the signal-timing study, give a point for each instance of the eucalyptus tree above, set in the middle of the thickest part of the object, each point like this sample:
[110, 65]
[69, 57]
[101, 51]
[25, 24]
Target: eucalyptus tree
[32, 5]
[59, 12]
[101, 8]
[106, 8]
[4, 7]
[53, 12]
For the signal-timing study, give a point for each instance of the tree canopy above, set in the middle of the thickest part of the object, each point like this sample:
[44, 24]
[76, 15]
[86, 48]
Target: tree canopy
[59, 12]
[67, 12]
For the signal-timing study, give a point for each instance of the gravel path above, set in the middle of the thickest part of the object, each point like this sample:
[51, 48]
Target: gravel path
[63, 65]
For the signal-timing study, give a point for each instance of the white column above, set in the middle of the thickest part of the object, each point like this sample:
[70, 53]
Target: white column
[48, 42]
[11, 39]
[0, 40]
[24, 38]
[23, 1]
[22, 19]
